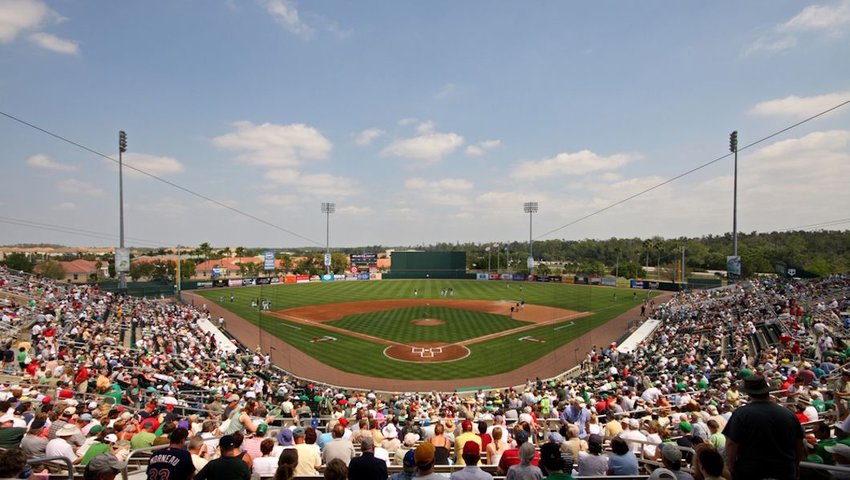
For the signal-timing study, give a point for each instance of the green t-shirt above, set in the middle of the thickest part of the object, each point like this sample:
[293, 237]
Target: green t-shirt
[142, 439]
[559, 476]
[96, 449]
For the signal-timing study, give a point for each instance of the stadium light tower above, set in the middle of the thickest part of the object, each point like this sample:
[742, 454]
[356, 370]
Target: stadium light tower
[328, 209]
[122, 147]
[530, 208]
[733, 147]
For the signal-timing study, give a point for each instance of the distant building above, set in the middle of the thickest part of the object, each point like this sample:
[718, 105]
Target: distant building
[82, 271]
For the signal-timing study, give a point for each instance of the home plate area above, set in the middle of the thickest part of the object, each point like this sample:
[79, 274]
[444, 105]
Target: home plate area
[426, 352]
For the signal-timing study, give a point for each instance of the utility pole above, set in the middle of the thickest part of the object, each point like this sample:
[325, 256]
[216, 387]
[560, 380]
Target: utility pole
[733, 147]
[122, 147]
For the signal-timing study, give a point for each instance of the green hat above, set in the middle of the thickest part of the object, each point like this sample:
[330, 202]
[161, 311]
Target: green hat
[96, 429]
[262, 429]
[686, 427]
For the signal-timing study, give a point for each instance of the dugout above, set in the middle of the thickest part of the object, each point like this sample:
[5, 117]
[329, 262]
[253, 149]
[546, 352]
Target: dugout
[427, 265]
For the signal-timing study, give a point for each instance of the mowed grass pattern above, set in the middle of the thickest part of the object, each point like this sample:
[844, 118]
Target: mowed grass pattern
[355, 355]
[397, 325]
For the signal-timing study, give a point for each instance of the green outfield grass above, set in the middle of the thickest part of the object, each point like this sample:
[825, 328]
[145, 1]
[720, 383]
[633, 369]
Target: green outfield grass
[361, 356]
[397, 325]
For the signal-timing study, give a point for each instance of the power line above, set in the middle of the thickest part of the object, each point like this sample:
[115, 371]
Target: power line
[695, 169]
[827, 223]
[74, 231]
[158, 178]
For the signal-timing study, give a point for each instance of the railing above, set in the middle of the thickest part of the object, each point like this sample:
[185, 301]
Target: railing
[43, 460]
[136, 455]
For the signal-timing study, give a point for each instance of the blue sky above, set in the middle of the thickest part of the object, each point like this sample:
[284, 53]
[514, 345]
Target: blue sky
[422, 121]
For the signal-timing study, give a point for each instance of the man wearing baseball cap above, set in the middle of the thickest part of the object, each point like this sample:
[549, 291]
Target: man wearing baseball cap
[466, 436]
[103, 467]
[227, 467]
[470, 455]
[424, 458]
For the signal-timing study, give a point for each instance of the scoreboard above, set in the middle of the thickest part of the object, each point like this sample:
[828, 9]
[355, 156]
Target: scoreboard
[363, 259]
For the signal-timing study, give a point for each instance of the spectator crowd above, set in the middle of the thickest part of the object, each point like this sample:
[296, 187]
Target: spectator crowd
[745, 381]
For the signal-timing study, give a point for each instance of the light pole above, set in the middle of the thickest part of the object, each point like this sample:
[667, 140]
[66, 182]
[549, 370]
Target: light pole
[498, 255]
[530, 208]
[489, 256]
[328, 209]
[733, 147]
[122, 147]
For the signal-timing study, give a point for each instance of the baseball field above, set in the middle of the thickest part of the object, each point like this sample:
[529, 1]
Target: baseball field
[428, 329]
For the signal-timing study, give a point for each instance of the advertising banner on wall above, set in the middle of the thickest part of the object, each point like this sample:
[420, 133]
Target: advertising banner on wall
[268, 260]
[247, 282]
[609, 281]
[363, 276]
[275, 280]
[328, 277]
[264, 281]
[482, 276]
[236, 282]
[219, 283]
[205, 284]
[302, 279]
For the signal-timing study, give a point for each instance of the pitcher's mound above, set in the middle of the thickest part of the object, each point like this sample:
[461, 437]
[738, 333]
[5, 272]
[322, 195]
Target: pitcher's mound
[427, 322]
[420, 352]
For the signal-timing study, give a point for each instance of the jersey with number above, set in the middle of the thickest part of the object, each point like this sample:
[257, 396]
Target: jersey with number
[170, 464]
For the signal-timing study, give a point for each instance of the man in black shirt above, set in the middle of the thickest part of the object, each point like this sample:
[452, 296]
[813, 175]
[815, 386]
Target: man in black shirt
[227, 467]
[366, 466]
[763, 439]
[174, 462]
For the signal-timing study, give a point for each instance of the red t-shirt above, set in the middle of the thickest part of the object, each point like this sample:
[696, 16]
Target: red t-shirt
[511, 457]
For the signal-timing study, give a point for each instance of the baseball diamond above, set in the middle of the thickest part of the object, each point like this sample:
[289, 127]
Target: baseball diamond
[384, 332]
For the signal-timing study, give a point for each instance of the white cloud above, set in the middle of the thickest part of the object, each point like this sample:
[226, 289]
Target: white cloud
[828, 18]
[286, 14]
[453, 184]
[355, 211]
[17, 16]
[78, 187]
[800, 107]
[66, 206]
[42, 161]
[481, 148]
[279, 200]
[407, 121]
[425, 127]
[54, 43]
[445, 91]
[429, 146]
[441, 192]
[578, 163]
[275, 145]
[797, 154]
[368, 136]
[155, 165]
[314, 183]
[770, 44]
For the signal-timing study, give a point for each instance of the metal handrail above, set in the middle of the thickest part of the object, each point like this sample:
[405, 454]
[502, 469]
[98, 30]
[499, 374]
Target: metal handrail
[124, 474]
[41, 460]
